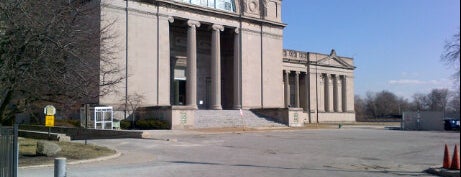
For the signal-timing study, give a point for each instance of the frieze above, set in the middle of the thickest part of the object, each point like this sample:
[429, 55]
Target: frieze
[293, 56]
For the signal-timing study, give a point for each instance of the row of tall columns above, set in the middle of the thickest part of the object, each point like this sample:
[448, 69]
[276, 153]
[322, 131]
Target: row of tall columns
[332, 92]
[287, 89]
[335, 91]
[215, 67]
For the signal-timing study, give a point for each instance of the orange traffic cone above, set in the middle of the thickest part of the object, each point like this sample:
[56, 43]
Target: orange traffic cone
[446, 158]
[455, 161]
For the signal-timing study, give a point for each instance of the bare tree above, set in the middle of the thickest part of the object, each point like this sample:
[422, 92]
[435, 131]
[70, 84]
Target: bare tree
[370, 103]
[438, 100]
[453, 107]
[451, 56]
[360, 108]
[420, 102]
[133, 101]
[380, 105]
[387, 104]
[53, 52]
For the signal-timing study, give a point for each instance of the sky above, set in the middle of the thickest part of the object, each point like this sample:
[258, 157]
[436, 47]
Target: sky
[396, 44]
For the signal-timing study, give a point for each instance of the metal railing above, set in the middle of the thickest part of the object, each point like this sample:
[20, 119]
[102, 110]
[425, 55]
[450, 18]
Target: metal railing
[9, 151]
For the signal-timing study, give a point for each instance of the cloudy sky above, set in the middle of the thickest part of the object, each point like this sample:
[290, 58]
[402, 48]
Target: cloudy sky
[396, 44]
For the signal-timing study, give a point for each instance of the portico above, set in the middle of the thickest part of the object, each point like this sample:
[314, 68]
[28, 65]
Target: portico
[326, 92]
[211, 73]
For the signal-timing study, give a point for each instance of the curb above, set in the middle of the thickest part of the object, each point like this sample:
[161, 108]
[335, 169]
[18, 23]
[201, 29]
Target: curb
[442, 172]
[116, 155]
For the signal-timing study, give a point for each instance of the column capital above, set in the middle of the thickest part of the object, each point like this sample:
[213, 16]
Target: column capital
[194, 23]
[237, 31]
[170, 19]
[324, 75]
[297, 72]
[217, 27]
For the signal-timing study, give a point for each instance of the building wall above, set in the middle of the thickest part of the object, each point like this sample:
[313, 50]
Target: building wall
[272, 43]
[262, 59]
[114, 19]
[251, 66]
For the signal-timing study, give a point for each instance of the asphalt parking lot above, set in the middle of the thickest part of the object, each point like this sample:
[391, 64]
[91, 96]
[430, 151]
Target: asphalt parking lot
[354, 152]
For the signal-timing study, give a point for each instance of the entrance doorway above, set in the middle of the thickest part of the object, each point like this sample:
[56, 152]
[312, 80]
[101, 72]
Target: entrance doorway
[179, 92]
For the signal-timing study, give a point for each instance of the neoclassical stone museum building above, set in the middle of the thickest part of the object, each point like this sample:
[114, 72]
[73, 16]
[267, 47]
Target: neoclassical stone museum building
[215, 56]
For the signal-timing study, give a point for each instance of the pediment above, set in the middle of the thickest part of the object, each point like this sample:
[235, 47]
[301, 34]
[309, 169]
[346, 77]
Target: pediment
[335, 61]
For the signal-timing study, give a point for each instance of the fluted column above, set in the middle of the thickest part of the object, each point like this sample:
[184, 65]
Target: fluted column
[287, 88]
[191, 84]
[216, 67]
[237, 104]
[297, 105]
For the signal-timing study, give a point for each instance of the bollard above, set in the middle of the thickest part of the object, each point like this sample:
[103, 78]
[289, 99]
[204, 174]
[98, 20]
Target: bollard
[60, 167]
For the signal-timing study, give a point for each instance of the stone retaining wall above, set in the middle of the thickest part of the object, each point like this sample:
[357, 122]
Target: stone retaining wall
[43, 135]
[81, 133]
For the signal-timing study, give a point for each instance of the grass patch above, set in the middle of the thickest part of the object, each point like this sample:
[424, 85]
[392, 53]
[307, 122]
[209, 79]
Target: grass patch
[70, 150]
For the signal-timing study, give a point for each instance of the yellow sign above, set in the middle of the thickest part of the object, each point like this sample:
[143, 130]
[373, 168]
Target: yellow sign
[49, 121]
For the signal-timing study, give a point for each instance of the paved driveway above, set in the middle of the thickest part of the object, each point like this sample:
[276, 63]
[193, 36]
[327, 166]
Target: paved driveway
[353, 152]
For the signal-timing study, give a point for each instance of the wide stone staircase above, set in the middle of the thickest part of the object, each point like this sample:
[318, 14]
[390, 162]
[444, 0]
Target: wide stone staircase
[232, 119]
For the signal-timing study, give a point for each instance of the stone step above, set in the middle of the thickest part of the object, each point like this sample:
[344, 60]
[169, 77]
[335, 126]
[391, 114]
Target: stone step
[231, 118]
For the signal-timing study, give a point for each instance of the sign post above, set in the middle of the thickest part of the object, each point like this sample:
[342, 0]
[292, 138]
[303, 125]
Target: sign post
[49, 111]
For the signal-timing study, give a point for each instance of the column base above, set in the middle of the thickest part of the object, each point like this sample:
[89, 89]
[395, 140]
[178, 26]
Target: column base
[237, 107]
[195, 107]
[217, 107]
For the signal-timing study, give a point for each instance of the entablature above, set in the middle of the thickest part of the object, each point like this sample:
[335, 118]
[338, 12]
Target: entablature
[293, 56]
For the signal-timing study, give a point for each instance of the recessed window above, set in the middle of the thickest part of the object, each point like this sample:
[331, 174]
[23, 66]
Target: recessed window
[227, 5]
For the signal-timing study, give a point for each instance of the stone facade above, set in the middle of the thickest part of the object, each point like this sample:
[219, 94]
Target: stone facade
[186, 55]
[323, 85]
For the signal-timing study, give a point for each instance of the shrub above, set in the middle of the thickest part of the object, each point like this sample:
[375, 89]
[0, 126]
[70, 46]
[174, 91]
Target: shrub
[152, 124]
[125, 124]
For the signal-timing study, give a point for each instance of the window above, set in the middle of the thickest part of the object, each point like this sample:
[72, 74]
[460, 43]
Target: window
[227, 5]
